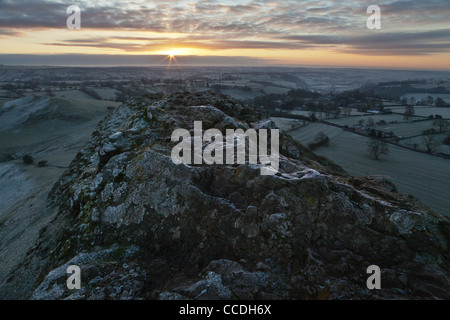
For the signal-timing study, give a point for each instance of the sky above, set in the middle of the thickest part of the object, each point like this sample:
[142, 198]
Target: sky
[414, 34]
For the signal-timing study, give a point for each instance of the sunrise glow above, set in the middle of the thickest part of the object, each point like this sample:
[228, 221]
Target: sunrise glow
[326, 33]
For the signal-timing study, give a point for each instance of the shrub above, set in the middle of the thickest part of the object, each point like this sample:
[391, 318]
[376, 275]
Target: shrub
[429, 131]
[320, 140]
[10, 157]
[27, 159]
[42, 163]
[49, 92]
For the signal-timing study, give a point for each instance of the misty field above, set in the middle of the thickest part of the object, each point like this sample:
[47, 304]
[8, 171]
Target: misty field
[423, 176]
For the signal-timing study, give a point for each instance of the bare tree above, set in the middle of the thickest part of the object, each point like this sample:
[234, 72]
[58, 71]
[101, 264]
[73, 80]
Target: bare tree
[347, 111]
[376, 148]
[27, 159]
[409, 113]
[441, 124]
[429, 143]
[337, 112]
[447, 140]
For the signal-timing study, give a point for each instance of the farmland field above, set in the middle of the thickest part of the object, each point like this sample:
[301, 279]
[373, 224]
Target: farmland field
[350, 121]
[401, 128]
[406, 129]
[438, 147]
[239, 94]
[106, 93]
[71, 94]
[423, 176]
[287, 124]
[306, 113]
[426, 111]
[301, 113]
[307, 133]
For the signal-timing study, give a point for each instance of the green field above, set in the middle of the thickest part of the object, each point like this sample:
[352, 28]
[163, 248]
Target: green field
[423, 176]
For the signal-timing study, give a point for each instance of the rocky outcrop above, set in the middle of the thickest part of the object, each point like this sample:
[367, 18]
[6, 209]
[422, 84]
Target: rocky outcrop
[141, 227]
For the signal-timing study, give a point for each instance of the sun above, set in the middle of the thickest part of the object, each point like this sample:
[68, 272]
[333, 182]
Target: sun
[173, 52]
[171, 55]
[172, 58]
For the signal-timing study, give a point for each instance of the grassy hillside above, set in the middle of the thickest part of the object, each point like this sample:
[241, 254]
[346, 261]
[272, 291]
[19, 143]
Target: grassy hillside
[421, 175]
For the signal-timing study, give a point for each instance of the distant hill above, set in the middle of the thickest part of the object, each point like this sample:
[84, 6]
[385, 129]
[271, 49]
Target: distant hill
[400, 88]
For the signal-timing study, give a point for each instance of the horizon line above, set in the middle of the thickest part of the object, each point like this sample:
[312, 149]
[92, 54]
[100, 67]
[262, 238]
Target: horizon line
[227, 61]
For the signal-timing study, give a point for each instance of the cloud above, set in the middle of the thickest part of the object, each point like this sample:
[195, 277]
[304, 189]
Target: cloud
[127, 60]
[393, 43]
[161, 44]
[10, 33]
[414, 27]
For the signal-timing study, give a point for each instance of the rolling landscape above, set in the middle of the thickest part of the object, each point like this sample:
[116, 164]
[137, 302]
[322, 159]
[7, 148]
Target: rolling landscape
[65, 111]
